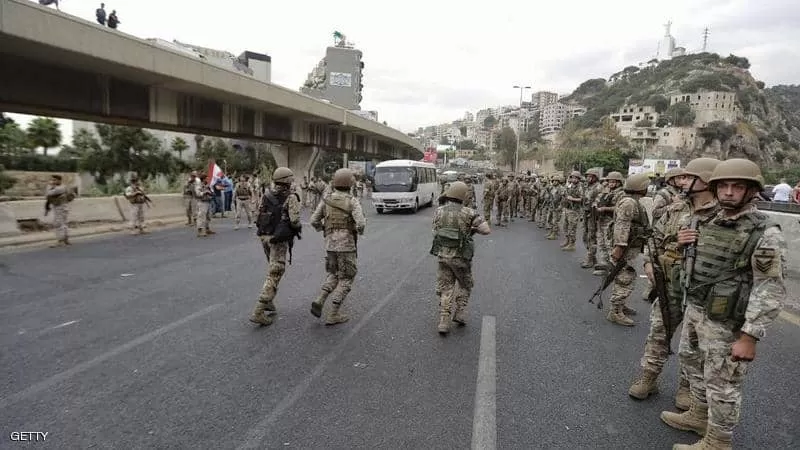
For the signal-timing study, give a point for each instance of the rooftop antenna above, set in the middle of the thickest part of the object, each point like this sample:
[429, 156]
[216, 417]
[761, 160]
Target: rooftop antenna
[705, 39]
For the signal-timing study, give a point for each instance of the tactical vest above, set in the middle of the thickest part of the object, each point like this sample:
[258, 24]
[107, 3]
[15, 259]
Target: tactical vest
[489, 189]
[572, 191]
[722, 276]
[188, 189]
[59, 200]
[271, 212]
[454, 233]
[243, 191]
[338, 214]
[640, 225]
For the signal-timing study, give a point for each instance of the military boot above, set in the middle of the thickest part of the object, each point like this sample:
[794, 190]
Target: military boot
[570, 246]
[59, 243]
[683, 398]
[589, 262]
[715, 439]
[444, 323]
[645, 385]
[335, 317]
[316, 305]
[259, 317]
[269, 306]
[628, 311]
[695, 419]
[564, 244]
[460, 316]
[201, 232]
[210, 231]
[615, 315]
[66, 241]
[600, 270]
[552, 236]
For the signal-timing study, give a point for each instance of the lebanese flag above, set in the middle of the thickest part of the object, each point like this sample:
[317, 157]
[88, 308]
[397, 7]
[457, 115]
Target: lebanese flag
[214, 173]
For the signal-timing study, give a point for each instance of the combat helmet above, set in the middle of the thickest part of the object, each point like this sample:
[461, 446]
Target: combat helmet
[343, 178]
[615, 176]
[457, 191]
[283, 175]
[672, 173]
[594, 172]
[701, 168]
[637, 183]
[575, 174]
[737, 169]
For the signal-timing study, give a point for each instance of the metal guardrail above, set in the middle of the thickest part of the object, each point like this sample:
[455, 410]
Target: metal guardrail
[791, 208]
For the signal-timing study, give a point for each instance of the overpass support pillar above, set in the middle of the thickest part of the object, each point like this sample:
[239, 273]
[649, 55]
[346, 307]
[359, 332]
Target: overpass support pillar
[301, 159]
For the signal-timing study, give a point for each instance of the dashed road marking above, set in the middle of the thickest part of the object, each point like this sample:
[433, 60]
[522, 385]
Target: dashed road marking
[484, 421]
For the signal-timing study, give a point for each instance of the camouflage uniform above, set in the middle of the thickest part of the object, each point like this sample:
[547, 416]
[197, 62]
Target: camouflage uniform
[471, 201]
[203, 196]
[557, 192]
[605, 222]
[589, 231]
[189, 202]
[135, 196]
[244, 193]
[453, 226]
[341, 217]
[631, 226]
[502, 202]
[544, 205]
[489, 190]
[663, 198]
[572, 211]
[57, 198]
[533, 199]
[511, 204]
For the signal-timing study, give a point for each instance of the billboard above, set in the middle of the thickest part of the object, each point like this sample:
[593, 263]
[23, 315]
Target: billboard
[652, 166]
[430, 155]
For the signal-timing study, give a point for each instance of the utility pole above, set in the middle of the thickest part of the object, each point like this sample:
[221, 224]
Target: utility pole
[705, 39]
[519, 126]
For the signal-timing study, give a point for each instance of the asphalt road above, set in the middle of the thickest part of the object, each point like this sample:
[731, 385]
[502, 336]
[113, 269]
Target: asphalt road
[143, 342]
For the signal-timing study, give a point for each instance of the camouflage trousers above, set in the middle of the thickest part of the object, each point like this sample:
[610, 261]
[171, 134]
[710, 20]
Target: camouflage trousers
[137, 215]
[488, 202]
[604, 241]
[512, 206]
[656, 346]
[624, 281]
[571, 219]
[60, 221]
[190, 205]
[544, 214]
[589, 233]
[276, 266]
[203, 215]
[533, 202]
[714, 378]
[556, 214]
[341, 269]
[502, 210]
[243, 206]
[453, 283]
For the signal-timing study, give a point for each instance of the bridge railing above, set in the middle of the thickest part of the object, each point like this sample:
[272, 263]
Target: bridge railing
[792, 208]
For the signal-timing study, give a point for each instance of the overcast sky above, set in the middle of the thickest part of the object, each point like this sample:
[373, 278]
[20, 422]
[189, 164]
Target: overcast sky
[427, 62]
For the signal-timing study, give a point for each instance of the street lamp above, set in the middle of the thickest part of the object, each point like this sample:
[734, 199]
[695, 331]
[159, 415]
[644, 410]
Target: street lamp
[519, 126]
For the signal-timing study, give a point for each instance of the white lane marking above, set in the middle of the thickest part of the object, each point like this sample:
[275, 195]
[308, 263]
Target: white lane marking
[259, 431]
[484, 421]
[65, 324]
[82, 367]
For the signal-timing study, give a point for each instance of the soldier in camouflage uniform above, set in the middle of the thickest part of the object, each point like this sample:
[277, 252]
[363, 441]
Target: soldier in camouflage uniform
[513, 197]
[557, 192]
[533, 198]
[203, 195]
[189, 202]
[453, 227]
[471, 201]
[58, 196]
[736, 290]
[341, 218]
[589, 233]
[137, 198]
[666, 195]
[701, 205]
[573, 198]
[544, 204]
[244, 192]
[502, 203]
[489, 190]
[278, 216]
[605, 220]
[631, 228]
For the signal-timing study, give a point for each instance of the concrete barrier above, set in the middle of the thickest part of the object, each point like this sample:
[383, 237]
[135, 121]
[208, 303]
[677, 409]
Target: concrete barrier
[8, 223]
[164, 205]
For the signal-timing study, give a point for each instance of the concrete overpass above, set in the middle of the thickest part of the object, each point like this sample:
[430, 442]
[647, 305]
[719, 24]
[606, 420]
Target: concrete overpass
[54, 64]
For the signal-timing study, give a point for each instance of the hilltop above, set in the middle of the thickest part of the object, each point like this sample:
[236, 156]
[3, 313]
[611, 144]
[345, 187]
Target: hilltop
[770, 118]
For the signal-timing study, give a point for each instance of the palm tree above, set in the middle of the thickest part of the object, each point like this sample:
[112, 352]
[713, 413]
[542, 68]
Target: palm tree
[44, 132]
[179, 146]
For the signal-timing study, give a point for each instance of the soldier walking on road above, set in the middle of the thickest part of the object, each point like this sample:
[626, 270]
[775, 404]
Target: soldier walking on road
[701, 205]
[573, 197]
[453, 227]
[189, 200]
[589, 231]
[58, 196]
[735, 291]
[278, 226]
[203, 194]
[489, 191]
[136, 196]
[502, 203]
[341, 218]
[244, 192]
[631, 228]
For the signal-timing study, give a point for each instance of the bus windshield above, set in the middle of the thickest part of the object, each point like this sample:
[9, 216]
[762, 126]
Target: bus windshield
[394, 179]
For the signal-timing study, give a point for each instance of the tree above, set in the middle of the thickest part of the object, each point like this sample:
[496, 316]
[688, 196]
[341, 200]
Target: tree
[13, 141]
[717, 130]
[44, 132]
[680, 115]
[6, 180]
[463, 131]
[467, 144]
[507, 145]
[444, 141]
[644, 123]
[179, 146]
[659, 102]
[489, 122]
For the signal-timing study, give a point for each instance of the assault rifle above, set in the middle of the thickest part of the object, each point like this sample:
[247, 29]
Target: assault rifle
[609, 278]
[689, 255]
[660, 291]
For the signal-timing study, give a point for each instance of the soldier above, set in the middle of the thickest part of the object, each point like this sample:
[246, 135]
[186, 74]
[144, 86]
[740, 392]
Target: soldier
[203, 194]
[544, 204]
[58, 196]
[573, 197]
[188, 199]
[278, 225]
[489, 190]
[631, 227]
[605, 219]
[666, 195]
[513, 197]
[136, 196]
[244, 192]
[736, 289]
[304, 193]
[704, 207]
[502, 203]
[470, 201]
[556, 206]
[589, 233]
[342, 219]
[453, 227]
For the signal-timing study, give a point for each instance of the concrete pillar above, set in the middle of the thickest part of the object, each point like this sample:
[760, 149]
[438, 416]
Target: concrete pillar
[301, 159]
[344, 160]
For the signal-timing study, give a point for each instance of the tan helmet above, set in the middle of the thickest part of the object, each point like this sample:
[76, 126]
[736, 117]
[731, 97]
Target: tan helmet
[615, 176]
[701, 168]
[283, 175]
[594, 172]
[575, 174]
[457, 190]
[637, 183]
[343, 178]
[738, 169]
[674, 172]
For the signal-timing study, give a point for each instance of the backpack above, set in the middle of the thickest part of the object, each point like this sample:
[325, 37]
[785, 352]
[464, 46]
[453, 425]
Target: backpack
[273, 218]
